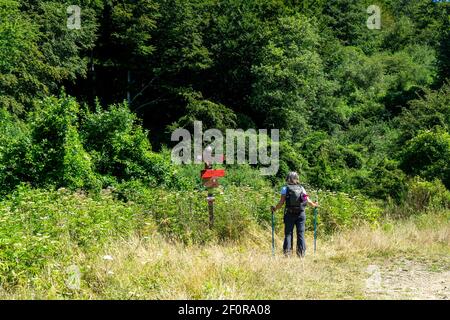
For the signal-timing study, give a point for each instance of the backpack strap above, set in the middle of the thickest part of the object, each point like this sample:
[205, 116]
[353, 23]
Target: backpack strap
[288, 196]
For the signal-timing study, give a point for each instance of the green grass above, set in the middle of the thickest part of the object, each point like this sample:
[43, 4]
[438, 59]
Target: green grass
[157, 255]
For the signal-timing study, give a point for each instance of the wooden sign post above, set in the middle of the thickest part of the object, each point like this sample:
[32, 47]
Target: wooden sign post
[210, 181]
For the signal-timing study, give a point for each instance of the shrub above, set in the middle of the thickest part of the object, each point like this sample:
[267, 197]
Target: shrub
[291, 160]
[179, 215]
[39, 226]
[53, 150]
[386, 181]
[211, 114]
[424, 196]
[244, 176]
[428, 112]
[56, 151]
[427, 155]
[183, 215]
[48, 152]
[339, 211]
[120, 148]
[13, 134]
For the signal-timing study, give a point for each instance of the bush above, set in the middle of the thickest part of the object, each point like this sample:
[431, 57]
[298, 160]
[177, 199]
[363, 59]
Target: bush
[386, 181]
[120, 148]
[49, 151]
[423, 197]
[427, 155]
[212, 115]
[339, 211]
[179, 215]
[428, 112]
[245, 176]
[13, 134]
[38, 227]
[58, 157]
[52, 150]
[183, 215]
[291, 160]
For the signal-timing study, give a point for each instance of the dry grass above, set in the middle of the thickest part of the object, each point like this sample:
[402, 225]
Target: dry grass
[152, 268]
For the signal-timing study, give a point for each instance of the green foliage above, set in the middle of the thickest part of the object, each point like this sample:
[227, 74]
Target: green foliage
[57, 155]
[361, 83]
[310, 69]
[244, 176]
[360, 111]
[291, 160]
[340, 210]
[178, 55]
[20, 59]
[179, 42]
[48, 151]
[363, 114]
[183, 215]
[63, 48]
[289, 75]
[427, 155]
[237, 209]
[427, 112]
[54, 150]
[212, 115]
[386, 180]
[234, 33]
[13, 134]
[422, 198]
[38, 51]
[347, 20]
[131, 26]
[407, 71]
[120, 148]
[38, 226]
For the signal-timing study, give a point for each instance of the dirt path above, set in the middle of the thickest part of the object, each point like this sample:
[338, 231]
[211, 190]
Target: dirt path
[406, 279]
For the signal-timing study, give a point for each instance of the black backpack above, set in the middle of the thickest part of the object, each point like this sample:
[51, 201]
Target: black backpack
[295, 199]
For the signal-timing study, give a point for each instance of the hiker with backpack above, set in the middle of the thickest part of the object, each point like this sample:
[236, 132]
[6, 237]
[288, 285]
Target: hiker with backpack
[295, 198]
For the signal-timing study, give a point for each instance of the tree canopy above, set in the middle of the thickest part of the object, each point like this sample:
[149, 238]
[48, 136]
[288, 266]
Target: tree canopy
[359, 109]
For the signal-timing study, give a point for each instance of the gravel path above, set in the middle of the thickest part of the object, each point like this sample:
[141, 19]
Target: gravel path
[406, 279]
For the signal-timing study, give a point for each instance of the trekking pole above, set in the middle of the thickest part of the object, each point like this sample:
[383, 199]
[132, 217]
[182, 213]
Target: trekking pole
[315, 224]
[273, 234]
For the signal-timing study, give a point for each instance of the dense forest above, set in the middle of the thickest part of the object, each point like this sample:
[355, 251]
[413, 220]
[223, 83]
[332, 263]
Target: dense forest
[91, 90]
[360, 109]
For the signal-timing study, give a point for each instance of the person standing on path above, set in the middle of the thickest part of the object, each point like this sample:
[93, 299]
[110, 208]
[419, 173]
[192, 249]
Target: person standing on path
[295, 198]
